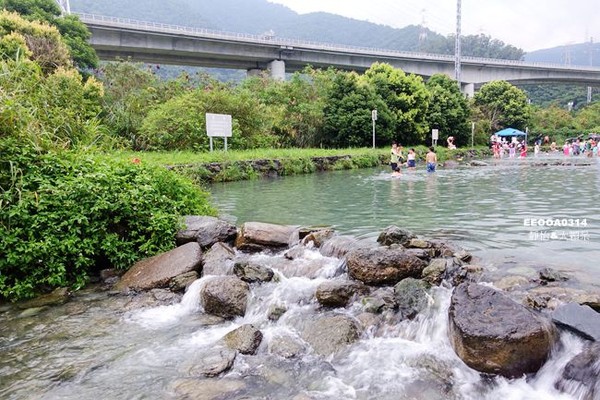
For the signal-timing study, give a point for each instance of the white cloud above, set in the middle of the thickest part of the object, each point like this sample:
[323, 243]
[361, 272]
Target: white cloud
[528, 24]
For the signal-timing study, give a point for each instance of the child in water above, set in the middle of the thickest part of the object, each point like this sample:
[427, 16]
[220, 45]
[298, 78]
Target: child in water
[411, 163]
[431, 160]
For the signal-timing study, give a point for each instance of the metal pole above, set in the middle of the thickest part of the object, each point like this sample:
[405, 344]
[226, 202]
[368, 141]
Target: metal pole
[225, 143]
[472, 134]
[373, 133]
[457, 43]
[211, 143]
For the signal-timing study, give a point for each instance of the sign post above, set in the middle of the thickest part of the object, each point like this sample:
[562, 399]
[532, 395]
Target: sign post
[374, 118]
[434, 137]
[218, 125]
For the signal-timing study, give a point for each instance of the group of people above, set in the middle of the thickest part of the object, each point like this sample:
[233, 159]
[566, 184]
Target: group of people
[397, 159]
[501, 147]
[588, 148]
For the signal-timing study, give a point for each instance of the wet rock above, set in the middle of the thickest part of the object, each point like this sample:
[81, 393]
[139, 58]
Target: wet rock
[582, 370]
[412, 297]
[180, 283]
[211, 362]
[580, 319]
[286, 346]
[368, 320]
[329, 334]
[382, 265]
[295, 252]
[338, 246]
[394, 235]
[165, 297]
[225, 296]
[31, 312]
[443, 249]
[463, 255]
[206, 231]
[244, 339]
[157, 271]
[551, 275]
[379, 300]
[493, 334]
[109, 273]
[56, 297]
[423, 254]
[458, 273]
[511, 282]
[418, 244]
[256, 236]
[218, 260]
[477, 163]
[208, 389]
[318, 237]
[434, 272]
[276, 311]
[338, 293]
[251, 272]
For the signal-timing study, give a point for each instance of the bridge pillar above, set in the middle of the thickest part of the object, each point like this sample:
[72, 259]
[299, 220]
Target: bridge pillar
[468, 89]
[277, 68]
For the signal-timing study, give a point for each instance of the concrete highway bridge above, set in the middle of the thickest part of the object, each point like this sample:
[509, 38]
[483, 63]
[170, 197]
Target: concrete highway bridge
[170, 44]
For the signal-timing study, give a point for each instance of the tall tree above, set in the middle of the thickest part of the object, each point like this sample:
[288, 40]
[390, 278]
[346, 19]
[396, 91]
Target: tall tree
[406, 98]
[448, 110]
[503, 105]
[75, 34]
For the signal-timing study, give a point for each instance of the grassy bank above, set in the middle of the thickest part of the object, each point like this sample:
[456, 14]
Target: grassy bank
[221, 166]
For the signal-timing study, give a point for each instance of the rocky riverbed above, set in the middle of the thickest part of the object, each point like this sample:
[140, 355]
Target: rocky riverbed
[272, 311]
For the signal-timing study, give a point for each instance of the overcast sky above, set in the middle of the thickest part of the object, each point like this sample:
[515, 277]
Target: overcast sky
[528, 24]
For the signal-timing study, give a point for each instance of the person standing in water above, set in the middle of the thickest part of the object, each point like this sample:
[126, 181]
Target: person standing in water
[411, 162]
[431, 159]
[394, 159]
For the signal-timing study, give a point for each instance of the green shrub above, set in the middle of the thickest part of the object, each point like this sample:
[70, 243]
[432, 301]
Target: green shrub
[296, 166]
[63, 216]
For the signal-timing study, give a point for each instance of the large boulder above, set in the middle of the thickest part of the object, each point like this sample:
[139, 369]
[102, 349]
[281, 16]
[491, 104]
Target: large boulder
[157, 271]
[210, 362]
[339, 246]
[338, 293]
[252, 272]
[394, 235]
[383, 265]
[219, 260]
[582, 320]
[493, 334]
[225, 296]
[581, 375]
[206, 231]
[258, 236]
[330, 333]
[244, 339]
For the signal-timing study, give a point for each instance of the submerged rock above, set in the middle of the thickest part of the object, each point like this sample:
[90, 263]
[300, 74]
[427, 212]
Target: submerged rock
[157, 271]
[206, 231]
[330, 333]
[56, 297]
[383, 265]
[225, 296]
[493, 334]
[207, 389]
[211, 362]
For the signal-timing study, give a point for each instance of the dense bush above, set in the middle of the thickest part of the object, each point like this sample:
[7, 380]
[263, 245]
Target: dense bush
[64, 215]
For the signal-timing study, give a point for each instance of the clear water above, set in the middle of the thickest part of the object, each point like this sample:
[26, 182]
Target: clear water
[483, 209]
[99, 346]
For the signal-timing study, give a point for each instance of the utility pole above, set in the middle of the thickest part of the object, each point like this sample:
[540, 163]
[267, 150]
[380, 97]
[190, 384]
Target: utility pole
[457, 43]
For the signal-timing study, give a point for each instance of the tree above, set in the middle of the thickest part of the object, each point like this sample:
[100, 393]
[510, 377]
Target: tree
[448, 110]
[503, 105]
[75, 34]
[347, 121]
[406, 98]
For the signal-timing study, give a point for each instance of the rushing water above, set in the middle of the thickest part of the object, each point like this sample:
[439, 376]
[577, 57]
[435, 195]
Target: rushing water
[483, 209]
[104, 346]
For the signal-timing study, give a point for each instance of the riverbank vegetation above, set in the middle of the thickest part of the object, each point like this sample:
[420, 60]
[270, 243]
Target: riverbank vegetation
[82, 151]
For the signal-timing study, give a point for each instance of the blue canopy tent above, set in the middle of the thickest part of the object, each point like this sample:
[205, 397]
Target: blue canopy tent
[511, 132]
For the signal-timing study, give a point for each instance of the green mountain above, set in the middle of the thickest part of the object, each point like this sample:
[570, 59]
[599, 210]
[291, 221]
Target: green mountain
[574, 54]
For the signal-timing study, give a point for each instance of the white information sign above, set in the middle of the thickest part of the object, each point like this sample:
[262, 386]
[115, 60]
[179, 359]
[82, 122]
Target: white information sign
[434, 134]
[218, 125]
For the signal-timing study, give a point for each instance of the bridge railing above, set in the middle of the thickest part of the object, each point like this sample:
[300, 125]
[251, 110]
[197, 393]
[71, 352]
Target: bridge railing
[284, 43]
